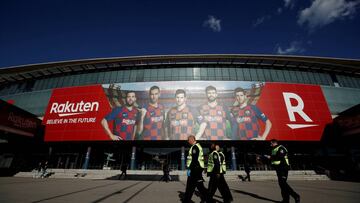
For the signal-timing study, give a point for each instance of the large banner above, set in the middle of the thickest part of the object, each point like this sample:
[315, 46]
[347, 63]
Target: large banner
[18, 121]
[210, 110]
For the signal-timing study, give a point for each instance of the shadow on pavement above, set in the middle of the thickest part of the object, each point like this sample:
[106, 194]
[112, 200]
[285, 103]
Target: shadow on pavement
[255, 196]
[115, 193]
[142, 177]
[70, 193]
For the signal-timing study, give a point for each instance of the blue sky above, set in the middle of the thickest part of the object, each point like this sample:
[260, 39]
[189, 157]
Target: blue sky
[42, 31]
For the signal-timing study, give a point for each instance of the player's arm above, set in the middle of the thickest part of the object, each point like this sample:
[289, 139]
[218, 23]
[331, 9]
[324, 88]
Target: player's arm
[265, 119]
[268, 126]
[167, 125]
[201, 130]
[105, 125]
[140, 126]
[163, 129]
[202, 122]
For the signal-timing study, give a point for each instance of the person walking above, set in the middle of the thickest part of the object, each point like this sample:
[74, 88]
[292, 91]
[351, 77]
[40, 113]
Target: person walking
[123, 171]
[247, 171]
[280, 162]
[195, 166]
[216, 172]
[166, 173]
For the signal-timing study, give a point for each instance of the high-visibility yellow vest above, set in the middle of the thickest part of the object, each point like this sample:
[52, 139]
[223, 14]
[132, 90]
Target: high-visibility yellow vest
[213, 155]
[223, 162]
[200, 157]
[274, 152]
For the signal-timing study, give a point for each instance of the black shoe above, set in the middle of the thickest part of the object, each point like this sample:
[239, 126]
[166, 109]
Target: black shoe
[297, 199]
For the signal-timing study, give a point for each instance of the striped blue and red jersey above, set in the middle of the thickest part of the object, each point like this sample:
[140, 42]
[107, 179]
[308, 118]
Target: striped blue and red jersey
[124, 121]
[154, 122]
[215, 117]
[181, 124]
[245, 124]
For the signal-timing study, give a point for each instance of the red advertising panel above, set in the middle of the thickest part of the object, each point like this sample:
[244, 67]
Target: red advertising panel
[75, 113]
[210, 110]
[18, 121]
[297, 112]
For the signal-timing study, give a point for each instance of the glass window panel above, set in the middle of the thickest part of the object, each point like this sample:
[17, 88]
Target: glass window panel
[232, 73]
[140, 75]
[211, 74]
[147, 74]
[218, 74]
[317, 78]
[113, 76]
[161, 74]
[305, 77]
[225, 73]
[310, 76]
[41, 84]
[204, 74]
[93, 78]
[100, 79]
[287, 76]
[267, 75]
[240, 74]
[107, 77]
[175, 74]
[126, 75]
[293, 77]
[281, 76]
[46, 83]
[66, 81]
[299, 77]
[351, 81]
[133, 74]
[60, 82]
[189, 74]
[260, 74]
[37, 85]
[247, 75]
[167, 74]
[83, 79]
[274, 76]
[357, 82]
[196, 72]
[253, 74]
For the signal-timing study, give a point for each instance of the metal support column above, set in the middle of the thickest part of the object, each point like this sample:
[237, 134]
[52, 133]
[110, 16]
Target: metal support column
[233, 159]
[133, 160]
[87, 158]
[182, 158]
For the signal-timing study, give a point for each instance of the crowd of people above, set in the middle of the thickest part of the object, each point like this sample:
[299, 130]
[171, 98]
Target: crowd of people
[41, 170]
[216, 168]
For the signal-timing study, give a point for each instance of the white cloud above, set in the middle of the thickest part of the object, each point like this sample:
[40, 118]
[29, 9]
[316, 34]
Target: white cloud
[289, 3]
[295, 47]
[279, 10]
[213, 23]
[323, 12]
[261, 20]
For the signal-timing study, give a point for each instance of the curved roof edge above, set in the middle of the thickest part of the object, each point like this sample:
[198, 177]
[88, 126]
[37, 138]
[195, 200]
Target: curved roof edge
[32, 71]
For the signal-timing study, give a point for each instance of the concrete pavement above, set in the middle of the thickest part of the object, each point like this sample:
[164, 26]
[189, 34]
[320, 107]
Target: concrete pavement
[15, 189]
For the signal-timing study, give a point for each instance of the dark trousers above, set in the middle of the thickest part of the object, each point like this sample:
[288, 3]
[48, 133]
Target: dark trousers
[247, 177]
[123, 173]
[217, 181]
[286, 190]
[195, 180]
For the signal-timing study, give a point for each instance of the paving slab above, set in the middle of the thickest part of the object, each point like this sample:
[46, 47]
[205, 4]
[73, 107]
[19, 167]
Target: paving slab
[20, 190]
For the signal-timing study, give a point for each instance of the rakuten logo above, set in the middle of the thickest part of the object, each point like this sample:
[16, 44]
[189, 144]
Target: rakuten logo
[70, 109]
[299, 109]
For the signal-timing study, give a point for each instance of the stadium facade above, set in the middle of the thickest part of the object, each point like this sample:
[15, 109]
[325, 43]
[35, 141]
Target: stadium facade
[37, 88]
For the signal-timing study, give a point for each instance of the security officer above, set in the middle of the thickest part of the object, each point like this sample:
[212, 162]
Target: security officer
[195, 165]
[280, 162]
[216, 169]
